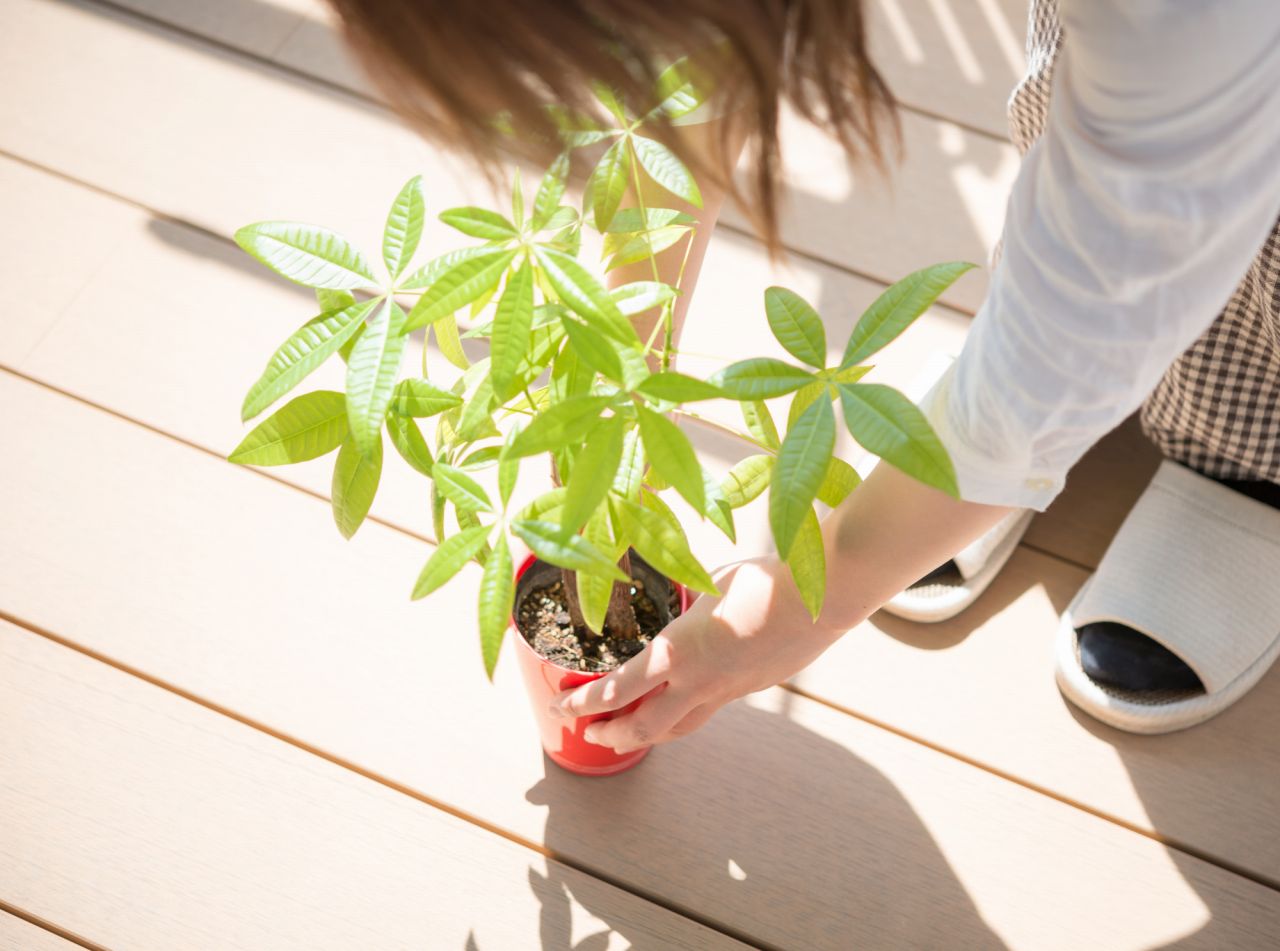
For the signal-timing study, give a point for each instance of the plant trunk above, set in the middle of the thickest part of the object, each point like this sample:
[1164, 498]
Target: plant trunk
[619, 617]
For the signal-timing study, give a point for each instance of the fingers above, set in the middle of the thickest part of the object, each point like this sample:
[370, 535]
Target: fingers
[652, 723]
[615, 690]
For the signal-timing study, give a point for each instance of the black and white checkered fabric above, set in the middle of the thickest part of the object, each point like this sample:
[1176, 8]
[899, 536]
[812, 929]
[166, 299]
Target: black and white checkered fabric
[1217, 409]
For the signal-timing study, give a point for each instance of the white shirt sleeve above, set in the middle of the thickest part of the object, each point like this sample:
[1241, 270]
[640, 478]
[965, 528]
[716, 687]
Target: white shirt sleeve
[1130, 223]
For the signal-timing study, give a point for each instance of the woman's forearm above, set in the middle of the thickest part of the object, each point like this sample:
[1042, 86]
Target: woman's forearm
[889, 532]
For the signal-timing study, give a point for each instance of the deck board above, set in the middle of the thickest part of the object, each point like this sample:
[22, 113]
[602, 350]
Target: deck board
[909, 847]
[17, 934]
[137, 819]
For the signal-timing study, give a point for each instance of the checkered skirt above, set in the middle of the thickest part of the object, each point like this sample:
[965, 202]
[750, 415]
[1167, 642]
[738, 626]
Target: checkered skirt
[1217, 408]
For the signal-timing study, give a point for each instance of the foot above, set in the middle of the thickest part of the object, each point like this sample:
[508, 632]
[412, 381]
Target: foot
[1118, 656]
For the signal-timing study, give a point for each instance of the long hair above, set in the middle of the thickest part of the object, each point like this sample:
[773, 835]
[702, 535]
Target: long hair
[450, 66]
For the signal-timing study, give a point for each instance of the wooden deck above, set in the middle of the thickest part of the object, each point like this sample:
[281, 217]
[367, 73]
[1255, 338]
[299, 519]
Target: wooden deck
[223, 727]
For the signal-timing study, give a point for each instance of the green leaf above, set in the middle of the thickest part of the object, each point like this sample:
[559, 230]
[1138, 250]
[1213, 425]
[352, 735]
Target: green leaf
[796, 326]
[676, 92]
[511, 326]
[760, 378]
[434, 269]
[450, 343]
[508, 465]
[639, 296]
[665, 168]
[459, 488]
[304, 428]
[545, 508]
[560, 425]
[371, 375]
[805, 397]
[334, 300]
[497, 602]
[355, 482]
[630, 475]
[747, 480]
[461, 284]
[517, 200]
[760, 423]
[607, 184]
[631, 220]
[895, 309]
[808, 564]
[582, 293]
[886, 423]
[547, 201]
[562, 218]
[480, 223]
[311, 256]
[677, 388]
[596, 351]
[719, 511]
[421, 398]
[802, 463]
[477, 414]
[449, 558]
[482, 458]
[404, 227]
[643, 246]
[570, 376]
[595, 588]
[661, 542]
[672, 456]
[308, 347]
[409, 442]
[557, 547]
[593, 472]
[840, 479]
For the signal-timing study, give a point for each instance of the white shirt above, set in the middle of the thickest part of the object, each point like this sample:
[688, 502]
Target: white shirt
[1131, 222]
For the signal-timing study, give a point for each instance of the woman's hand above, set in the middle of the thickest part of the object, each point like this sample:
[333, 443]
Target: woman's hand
[755, 635]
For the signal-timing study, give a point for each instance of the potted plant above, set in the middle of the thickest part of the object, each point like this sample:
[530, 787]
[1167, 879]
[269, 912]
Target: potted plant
[569, 379]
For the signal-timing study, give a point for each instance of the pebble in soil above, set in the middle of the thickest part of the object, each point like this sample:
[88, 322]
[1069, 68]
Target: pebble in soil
[544, 622]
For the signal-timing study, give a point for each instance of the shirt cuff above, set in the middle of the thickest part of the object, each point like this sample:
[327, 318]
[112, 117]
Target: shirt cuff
[980, 478]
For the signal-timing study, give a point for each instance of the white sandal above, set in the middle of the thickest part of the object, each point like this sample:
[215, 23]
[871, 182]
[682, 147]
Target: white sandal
[1196, 568]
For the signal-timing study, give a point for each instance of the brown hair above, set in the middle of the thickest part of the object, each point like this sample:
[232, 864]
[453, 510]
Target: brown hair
[449, 66]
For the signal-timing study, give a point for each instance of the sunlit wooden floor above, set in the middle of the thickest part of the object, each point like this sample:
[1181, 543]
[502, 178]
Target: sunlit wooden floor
[222, 727]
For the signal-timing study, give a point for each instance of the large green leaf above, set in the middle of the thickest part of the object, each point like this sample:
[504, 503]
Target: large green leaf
[661, 542]
[464, 492]
[583, 294]
[308, 347]
[671, 454]
[665, 168]
[449, 558]
[747, 480]
[545, 508]
[304, 428]
[421, 398]
[311, 256]
[596, 587]
[560, 425]
[404, 227]
[547, 201]
[371, 375]
[409, 442]
[630, 474]
[624, 249]
[593, 473]
[840, 479]
[801, 465]
[796, 325]
[434, 269]
[564, 549]
[808, 564]
[497, 601]
[511, 325]
[466, 280]
[677, 388]
[760, 378]
[719, 511]
[895, 309]
[355, 482]
[594, 349]
[608, 183]
[480, 223]
[886, 423]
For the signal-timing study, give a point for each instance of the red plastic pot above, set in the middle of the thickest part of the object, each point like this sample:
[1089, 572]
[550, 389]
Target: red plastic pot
[562, 738]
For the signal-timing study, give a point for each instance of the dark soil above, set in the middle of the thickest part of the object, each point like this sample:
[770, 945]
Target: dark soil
[544, 622]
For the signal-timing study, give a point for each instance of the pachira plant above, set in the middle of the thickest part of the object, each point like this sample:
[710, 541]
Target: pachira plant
[569, 379]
